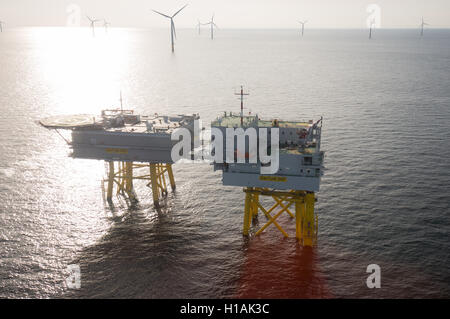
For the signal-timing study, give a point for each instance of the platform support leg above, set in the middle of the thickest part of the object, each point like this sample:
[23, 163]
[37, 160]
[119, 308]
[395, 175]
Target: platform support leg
[309, 221]
[129, 180]
[120, 178]
[171, 178]
[154, 183]
[247, 213]
[110, 181]
[161, 169]
[255, 208]
[299, 212]
[305, 219]
[126, 172]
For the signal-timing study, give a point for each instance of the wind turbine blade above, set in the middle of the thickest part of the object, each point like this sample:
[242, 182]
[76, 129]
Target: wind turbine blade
[215, 25]
[173, 28]
[164, 15]
[89, 18]
[179, 10]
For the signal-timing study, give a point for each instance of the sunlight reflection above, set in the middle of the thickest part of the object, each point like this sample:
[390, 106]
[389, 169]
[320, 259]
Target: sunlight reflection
[83, 73]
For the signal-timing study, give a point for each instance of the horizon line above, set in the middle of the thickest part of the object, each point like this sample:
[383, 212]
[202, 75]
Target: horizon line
[229, 28]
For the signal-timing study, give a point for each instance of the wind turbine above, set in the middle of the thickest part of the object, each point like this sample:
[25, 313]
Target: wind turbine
[422, 25]
[199, 25]
[1, 26]
[173, 34]
[212, 24]
[372, 22]
[93, 24]
[303, 25]
[106, 24]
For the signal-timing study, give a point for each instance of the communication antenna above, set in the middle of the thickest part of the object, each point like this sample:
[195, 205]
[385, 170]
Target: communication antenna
[241, 94]
[121, 104]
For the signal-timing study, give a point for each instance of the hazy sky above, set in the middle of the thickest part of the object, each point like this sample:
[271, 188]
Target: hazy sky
[229, 13]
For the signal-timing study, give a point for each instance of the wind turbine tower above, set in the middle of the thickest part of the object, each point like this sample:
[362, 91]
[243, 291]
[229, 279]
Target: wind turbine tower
[372, 23]
[93, 24]
[303, 26]
[1, 26]
[213, 25]
[199, 25]
[421, 27]
[106, 24]
[173, 33]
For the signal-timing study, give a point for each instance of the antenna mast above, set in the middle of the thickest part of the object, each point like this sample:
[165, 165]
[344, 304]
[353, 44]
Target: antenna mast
[242, 103]
[121, 105]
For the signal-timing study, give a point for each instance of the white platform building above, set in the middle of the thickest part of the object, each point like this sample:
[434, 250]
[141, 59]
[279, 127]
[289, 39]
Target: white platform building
[300, 158]
[292, 187]
[128, 142]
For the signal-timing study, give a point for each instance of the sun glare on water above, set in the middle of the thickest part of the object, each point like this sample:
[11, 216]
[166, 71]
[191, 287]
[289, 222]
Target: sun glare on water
[82, 72]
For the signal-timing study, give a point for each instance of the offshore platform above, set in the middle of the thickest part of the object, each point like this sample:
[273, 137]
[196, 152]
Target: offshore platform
[292, 187]
[139, 147]
[134, 147]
